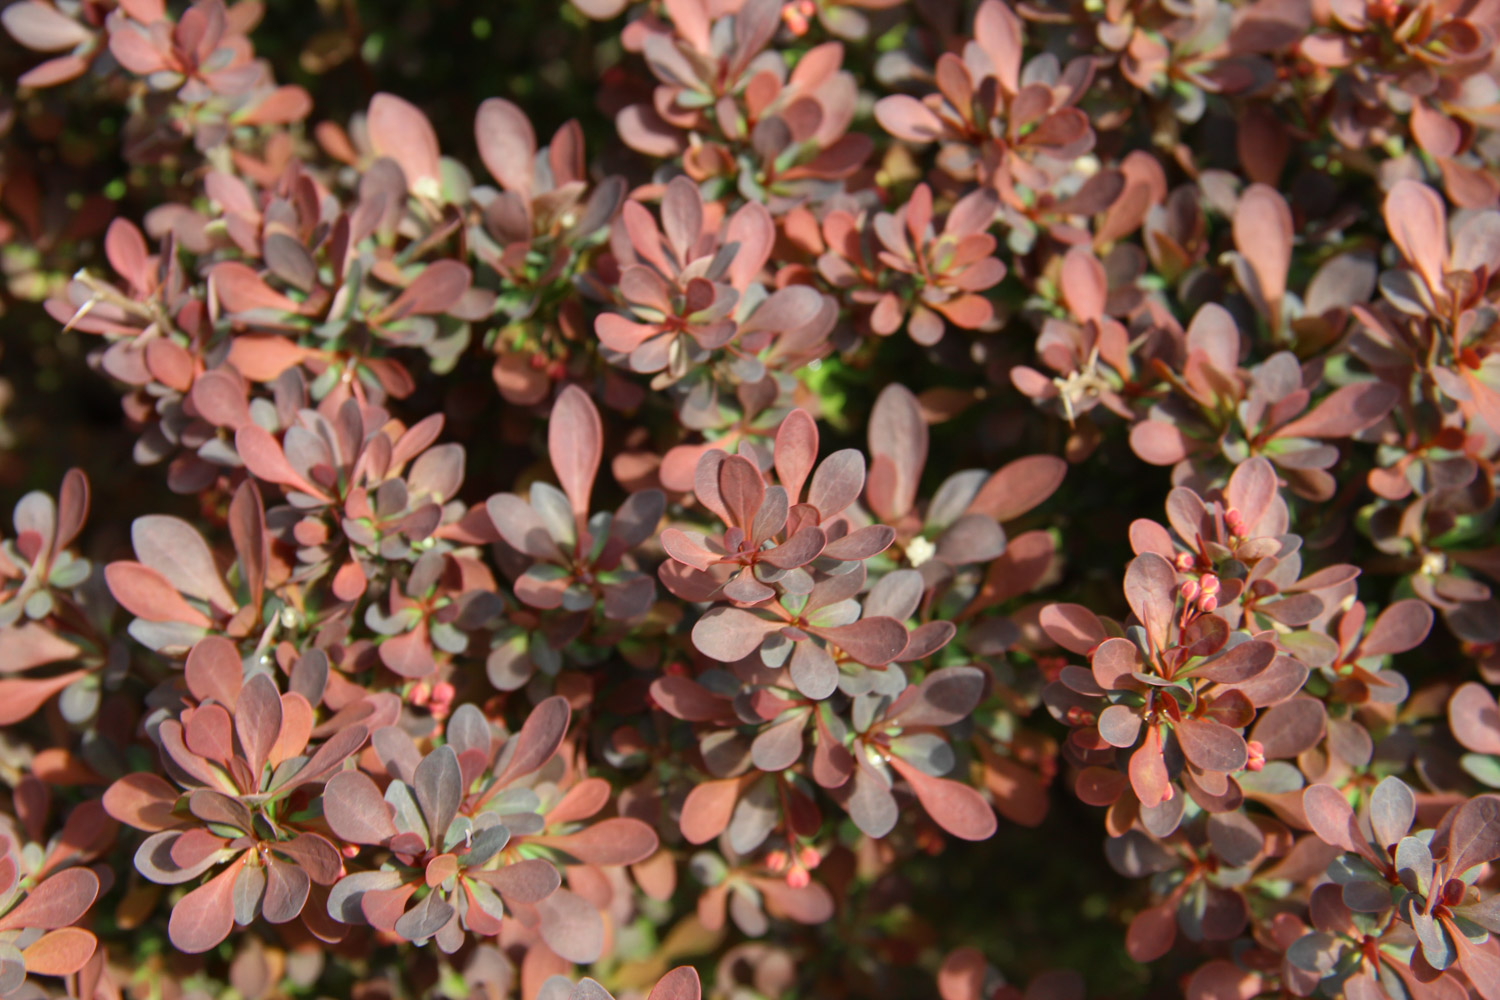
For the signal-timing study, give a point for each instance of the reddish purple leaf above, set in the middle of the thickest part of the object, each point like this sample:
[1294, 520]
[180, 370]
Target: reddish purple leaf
[575, 440]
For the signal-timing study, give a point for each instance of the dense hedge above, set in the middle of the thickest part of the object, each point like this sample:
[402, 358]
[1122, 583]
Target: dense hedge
[744, 498]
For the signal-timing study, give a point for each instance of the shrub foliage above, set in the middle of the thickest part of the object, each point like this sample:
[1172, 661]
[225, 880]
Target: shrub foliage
[651, 553]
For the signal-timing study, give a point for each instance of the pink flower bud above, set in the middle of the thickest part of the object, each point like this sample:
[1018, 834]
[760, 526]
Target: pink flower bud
[1257, 755]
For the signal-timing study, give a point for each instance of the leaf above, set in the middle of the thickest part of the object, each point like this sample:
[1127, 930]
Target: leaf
[425, 919]
[355, 809]
[1152, 932]
[1148, 772]
[898, 450]
[872, 641]
[680, 984]
[707, 809]
[1400, 627]
[1475, 719]
[21, 697]
[1331, 817]
[944, 698]
[1474, 836]
[528, 881]
[908, 119]
[796, 451]
[540, 736]
[1347, 411]
[42, 27]
[1211, 746]
[287, 887]
[742, 489]
[1241, 663]
[1418, 224]
[617, 841]
[522, 527]
[56, 902]
[1393, 809]
[954, 806]
[257, 721]
[1073, 627]
[572, 927]
[962, 975]
[247, 527]
[1019, 487]
[1151, 591]
[1287, 729]
[174, 549]
[205, 916]
[434, 291]
[507, 144]
[1263, 235]
[731, 634]
[142, 800]
[575, 440]
[836, 483]
[1084, 284]
[145, 593]
[780, 746]
[438, 786]
[686, 699]
[60, 953]
[266, 461]
[399, 131]
[240, 290]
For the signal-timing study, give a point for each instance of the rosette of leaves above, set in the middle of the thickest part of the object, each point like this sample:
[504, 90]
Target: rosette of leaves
[945, 270]
[36, 917]
[207, 58]
[1356, 954]
[1220, 413]
[445, 873]
[773, 539]
[904, 737]
[42, 621]
[1434, 316]
[1198, 874]
[577, 560]
[734, 112]
[1171, 689]
[495, 791]
[175, 588]
[244, 810]
[533, 232]
[815, 635]
[997, 122]
[1428, 878]
[427, 613]
[1415, 60]
[1243, 541]
[961, 526]
[1096, 361]
[1354, 659]
[155, 332]
[352, 481]
[693, 309]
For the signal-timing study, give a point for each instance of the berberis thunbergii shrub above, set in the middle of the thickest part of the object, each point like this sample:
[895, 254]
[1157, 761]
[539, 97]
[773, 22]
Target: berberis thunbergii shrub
[692, 552]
